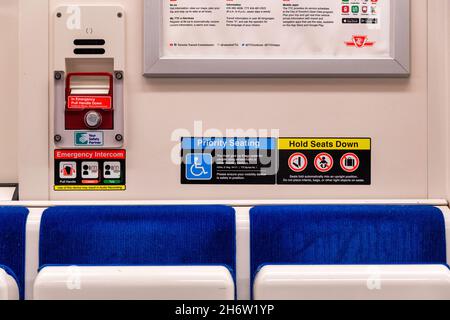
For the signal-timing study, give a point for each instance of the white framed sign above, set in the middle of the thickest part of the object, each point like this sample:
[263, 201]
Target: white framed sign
[276, 38]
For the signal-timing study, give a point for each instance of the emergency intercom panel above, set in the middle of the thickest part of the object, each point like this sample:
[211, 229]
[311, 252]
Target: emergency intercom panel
[89, 50]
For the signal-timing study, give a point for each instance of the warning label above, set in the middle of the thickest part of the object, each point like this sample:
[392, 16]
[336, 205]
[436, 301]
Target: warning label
[284, 161]
[89, 102]
[90, 170]
[324, 161]
[228, 161]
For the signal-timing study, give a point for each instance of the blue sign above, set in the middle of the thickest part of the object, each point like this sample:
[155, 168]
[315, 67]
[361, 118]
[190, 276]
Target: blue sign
[89, 138]
[238, 160]
[199, 166]
[228, 144]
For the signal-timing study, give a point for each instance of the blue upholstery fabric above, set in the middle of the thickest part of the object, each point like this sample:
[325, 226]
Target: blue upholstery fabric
[138, 236]
[337, 235]
[13, 222]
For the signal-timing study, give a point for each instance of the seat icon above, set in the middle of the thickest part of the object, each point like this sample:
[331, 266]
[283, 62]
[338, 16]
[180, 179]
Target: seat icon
[199, 166]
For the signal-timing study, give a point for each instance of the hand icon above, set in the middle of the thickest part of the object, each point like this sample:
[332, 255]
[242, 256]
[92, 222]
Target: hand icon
[84, 138]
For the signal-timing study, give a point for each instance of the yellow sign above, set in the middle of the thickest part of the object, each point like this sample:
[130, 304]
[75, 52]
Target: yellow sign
[324, 144]
[90, 188]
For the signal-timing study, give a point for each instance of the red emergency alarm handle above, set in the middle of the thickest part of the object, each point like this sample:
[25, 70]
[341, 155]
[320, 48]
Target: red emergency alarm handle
[83, 102]
[89, 74]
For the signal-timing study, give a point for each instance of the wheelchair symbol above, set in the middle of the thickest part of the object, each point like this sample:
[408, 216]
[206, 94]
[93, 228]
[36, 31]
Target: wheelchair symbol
[199, 166]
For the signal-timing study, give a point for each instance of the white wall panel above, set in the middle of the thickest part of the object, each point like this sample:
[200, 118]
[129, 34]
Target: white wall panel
[33, 99]
[8, 90]
[394, 112]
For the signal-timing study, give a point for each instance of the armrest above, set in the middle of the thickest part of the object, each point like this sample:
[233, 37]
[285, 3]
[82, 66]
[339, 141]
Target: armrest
[134, 283]
[395, 282]
[8, 287]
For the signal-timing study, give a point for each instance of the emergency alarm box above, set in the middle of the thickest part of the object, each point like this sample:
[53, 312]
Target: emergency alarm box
[89, 50]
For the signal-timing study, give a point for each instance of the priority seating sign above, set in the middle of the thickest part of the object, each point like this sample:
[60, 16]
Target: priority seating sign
[272, 161]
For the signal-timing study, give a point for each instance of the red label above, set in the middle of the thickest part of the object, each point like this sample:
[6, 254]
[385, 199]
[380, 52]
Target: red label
[90, 154]
[89, 102]
[360, 42]
[90, 181]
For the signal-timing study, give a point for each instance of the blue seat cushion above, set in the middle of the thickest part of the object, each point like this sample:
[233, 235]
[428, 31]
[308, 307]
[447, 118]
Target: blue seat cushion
[13, 222]
[337, 235]
[138, 236]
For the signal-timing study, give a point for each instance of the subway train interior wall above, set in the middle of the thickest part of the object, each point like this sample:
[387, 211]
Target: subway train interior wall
[226, 150]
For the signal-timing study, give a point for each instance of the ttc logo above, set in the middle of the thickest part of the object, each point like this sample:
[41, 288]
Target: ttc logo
[360, 42]
[199, 166]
